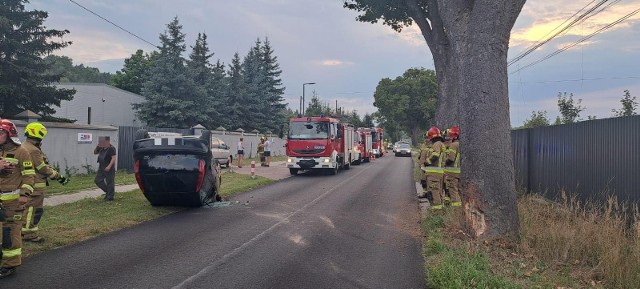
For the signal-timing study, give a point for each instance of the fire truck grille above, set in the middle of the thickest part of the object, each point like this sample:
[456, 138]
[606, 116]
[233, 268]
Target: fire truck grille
[308, 152]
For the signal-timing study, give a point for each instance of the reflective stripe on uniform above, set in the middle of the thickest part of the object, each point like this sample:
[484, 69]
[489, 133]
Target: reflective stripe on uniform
[437, 207]
[27, 187]
[27, 164]
[452, 170]
[40, 185]
[435, 170]
[42, 165]
[13, 161]
[6, 254]
[30, 230]
[29, 218]
[456, 204]
[28, 172]
[10, 195]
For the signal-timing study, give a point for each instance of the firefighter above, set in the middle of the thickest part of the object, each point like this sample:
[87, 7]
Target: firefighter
[16, 185]
[263, 162]
[431, 160]
[452, 166]
[35, 133]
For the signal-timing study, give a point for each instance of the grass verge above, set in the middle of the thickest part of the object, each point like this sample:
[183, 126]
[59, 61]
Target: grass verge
[84, 182]
[71, 223]
[565, 244]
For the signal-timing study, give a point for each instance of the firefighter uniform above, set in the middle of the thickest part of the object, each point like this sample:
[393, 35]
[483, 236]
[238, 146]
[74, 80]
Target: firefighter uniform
[431, 160]
[452, 172]
[14, 183]
[34, 207]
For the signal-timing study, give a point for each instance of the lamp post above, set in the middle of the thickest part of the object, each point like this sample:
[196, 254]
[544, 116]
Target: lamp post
[303, 99]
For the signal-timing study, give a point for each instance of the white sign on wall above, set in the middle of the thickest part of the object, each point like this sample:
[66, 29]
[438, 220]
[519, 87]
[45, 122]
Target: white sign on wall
[84, 137]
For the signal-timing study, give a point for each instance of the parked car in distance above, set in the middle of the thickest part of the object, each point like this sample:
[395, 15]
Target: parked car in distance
[176, 170]
[221, 152]
[403, 149]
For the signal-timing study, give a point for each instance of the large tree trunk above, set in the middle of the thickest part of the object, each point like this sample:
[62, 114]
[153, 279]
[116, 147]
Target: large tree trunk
[487, 166]
[447, 99]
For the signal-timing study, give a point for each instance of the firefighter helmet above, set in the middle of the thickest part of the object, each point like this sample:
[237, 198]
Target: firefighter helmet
[35, 130]
[9, 127]
[454, 132]
[433, 132]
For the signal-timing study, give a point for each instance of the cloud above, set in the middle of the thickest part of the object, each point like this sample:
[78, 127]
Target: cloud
[550, 20]
[333, 62]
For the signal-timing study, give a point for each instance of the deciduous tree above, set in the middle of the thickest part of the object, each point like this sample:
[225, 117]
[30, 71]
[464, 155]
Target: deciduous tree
[538, 118]
[469, 41]
[569, 109]
[629, 105]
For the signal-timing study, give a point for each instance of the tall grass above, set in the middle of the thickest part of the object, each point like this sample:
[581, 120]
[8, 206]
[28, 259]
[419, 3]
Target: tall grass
[604, 239]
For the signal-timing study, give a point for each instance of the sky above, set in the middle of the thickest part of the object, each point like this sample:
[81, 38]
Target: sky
[320, 41]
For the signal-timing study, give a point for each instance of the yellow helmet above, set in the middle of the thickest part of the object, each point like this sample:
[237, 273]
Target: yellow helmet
[35, 130]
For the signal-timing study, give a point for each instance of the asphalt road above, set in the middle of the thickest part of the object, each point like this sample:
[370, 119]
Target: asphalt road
[357, 229]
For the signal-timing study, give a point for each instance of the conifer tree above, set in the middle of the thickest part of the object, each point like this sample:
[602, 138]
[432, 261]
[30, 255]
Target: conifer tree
[24, 81]
[172, 98]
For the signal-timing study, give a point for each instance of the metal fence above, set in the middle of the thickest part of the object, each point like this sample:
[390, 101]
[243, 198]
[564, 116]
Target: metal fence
[126, 137]
[592, 159]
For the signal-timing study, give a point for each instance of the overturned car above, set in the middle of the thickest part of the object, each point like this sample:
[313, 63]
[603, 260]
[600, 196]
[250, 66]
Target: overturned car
[175, 170]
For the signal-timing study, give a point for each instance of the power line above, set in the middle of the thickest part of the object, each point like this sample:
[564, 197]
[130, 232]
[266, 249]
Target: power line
[579, 41]
[116, 25]
[581, 79]
[584, 16]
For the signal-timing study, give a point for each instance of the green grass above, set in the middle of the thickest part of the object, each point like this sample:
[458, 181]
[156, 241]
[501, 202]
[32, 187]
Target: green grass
[71, 223]
[246, 162]
[83, 182]
[454, 267]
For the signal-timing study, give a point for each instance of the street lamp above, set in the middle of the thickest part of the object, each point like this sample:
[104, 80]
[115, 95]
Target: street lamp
[303, 99]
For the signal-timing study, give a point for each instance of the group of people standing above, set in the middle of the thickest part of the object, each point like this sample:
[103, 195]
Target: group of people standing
[24, 175]
[264, 151]
[440, 164]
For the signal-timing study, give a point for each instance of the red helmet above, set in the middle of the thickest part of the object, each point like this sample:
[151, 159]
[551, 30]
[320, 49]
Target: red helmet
[454, 132]
[433, 132]
[9, 127]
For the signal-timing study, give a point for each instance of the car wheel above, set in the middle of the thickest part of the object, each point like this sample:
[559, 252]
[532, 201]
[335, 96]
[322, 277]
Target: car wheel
[293, 171]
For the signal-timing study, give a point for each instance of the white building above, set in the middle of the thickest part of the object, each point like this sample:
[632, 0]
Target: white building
[99, 104]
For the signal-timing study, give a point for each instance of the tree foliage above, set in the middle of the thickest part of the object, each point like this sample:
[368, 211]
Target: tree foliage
[133, 74]
[408, 101]
[569, 109]
[538, 118]
[629, 105]
[63, 65]
[25, 78]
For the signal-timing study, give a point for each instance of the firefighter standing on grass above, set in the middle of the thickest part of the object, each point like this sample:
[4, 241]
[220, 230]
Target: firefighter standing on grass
[35, 133]
[16, 185]
[431, 160]
[452, 166]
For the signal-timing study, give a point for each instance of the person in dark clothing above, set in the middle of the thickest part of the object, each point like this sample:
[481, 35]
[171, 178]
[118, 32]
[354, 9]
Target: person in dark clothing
[105, 179]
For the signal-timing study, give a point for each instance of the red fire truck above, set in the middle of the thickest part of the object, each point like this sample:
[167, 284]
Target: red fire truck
[377, 146]
[364, 145]
[319, 143]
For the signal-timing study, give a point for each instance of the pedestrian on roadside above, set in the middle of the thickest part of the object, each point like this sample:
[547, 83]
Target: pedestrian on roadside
[240, 152]
[105, 178]
[267, 151]
[34, 209]
[17, 179]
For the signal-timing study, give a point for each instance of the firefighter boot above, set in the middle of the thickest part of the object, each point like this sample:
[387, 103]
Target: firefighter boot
[6, 272]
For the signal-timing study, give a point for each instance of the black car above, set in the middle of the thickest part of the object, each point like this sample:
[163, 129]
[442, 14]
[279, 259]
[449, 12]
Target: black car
[176, 170]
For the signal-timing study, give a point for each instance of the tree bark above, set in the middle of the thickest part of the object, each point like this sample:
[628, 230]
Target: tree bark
[487, 166]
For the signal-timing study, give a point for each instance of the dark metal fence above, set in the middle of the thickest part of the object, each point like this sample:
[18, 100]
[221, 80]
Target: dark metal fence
[592, 159]
[126, 137]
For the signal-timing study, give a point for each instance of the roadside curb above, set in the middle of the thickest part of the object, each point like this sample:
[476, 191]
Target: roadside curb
[91, 193]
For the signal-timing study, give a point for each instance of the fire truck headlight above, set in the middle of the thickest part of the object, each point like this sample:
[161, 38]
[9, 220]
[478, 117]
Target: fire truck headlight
[289, 160]
[327, 160]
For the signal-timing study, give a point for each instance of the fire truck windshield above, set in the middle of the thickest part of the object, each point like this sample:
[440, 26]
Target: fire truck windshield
[308, 130]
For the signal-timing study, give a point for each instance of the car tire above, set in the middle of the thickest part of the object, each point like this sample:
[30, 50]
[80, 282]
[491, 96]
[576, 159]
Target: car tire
[293, 171]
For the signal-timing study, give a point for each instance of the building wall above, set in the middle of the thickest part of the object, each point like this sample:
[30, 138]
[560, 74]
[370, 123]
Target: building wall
[109, 105]
[63, 149]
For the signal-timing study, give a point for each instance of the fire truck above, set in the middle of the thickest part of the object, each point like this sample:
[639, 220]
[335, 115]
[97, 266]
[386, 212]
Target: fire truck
[320, 143]
[364, 145]
[377, 137]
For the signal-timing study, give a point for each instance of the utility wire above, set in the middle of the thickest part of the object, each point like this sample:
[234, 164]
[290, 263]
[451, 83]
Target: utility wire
[576, 21]
[580, 79]
[116, 25]
[579, 41]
